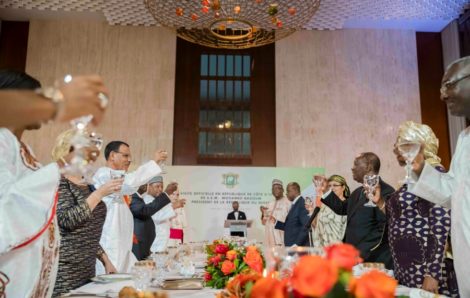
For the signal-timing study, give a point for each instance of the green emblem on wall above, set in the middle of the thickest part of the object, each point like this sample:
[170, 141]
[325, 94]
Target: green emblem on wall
[230, 180]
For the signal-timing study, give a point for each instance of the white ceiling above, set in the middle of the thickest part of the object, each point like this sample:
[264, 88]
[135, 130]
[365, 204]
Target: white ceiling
[419, 15]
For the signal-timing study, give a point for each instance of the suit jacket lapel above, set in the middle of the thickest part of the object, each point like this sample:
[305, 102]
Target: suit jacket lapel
[291, 211]
[358, 203]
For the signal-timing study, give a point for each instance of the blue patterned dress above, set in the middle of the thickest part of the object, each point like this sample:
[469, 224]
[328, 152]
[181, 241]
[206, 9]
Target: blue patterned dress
[418, 233]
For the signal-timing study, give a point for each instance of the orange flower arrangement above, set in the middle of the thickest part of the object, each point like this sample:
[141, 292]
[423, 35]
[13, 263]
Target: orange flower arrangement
[269, 288]
[251, 248]
[231, 255]
[253, 260]
[373, 284]
[314, 276]
[227, 259]
[227, 267]
[346, 256]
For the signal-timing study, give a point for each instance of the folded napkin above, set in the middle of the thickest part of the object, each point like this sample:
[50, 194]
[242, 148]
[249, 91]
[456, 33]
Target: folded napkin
[183, 284]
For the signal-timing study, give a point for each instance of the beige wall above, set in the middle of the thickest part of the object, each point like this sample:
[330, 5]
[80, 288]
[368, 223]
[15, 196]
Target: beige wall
[138, 65]
[339, 93]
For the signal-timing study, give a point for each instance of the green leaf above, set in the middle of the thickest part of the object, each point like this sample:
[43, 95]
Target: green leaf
[338, 291]
[248, 287]
[345, 277]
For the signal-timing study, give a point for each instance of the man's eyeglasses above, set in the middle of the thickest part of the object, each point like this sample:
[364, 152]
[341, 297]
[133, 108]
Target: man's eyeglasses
[125, 155]
[450, 83]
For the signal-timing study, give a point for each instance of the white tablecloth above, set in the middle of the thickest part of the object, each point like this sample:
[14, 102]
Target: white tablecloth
[112, 290]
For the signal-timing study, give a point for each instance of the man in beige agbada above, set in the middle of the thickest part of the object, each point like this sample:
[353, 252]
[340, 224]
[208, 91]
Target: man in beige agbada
[277, 209]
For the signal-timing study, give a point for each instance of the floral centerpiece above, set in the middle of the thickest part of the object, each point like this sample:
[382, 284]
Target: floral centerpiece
[226, 259]
[315, 276]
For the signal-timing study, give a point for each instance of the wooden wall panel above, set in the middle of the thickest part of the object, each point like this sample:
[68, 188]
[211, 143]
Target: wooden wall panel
[433, 110]
[339, 93]
[138, 65]
[13, 45]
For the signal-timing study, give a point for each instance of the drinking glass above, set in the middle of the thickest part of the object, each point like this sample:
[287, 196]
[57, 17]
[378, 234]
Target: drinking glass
[308, 201]
[162, 165]
[264, 212]
[141, 275]
[96, 139]
[281, 260]
[80, 165]
[409, 150]
[370, 183]
[318, 181]
[117, 174]
[160, 259]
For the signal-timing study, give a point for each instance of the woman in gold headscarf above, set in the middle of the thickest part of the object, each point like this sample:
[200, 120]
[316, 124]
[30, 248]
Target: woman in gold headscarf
[329, 227]
[418, 230]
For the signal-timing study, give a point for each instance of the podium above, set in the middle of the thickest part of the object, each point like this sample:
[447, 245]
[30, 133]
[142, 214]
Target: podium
[239, 226]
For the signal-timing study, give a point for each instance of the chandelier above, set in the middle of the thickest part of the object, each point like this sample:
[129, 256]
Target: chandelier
[233, 24]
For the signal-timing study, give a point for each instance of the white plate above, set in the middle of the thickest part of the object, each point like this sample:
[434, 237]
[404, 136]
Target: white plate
[105, 278]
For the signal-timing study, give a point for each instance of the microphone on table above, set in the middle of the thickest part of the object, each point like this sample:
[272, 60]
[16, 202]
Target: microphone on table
[312, 217]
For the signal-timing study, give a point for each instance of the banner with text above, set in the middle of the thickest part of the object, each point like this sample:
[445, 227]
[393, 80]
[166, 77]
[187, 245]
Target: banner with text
[210, 191]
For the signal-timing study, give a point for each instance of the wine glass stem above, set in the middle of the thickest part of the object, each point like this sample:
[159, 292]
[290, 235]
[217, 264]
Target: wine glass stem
[408, 171]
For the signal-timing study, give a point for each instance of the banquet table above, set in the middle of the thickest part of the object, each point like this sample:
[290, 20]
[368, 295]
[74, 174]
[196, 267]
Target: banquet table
[111, 290]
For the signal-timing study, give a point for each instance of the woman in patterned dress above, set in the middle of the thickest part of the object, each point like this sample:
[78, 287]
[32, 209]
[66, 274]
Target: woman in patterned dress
[329, 227]
[418, 230]
[81, 215]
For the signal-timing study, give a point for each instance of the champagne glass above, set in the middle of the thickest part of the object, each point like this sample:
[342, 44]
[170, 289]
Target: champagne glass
[308, 201]
[80, 165]
[96, 139]
[281, 260]
[409, 150]
[318, 181]
[309, 204]
[160, 259]
[162, 165]
[371, 182]
[117, 174]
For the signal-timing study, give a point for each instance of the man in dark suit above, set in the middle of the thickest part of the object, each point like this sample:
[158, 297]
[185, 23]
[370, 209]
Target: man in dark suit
[236, 215]
[294, 227]
[366, 226]
[144, 228]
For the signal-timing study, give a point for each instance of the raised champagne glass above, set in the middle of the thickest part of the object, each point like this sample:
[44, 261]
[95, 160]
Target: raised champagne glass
[80, 141]
[409, 150]
[370, 183]
[162, 165]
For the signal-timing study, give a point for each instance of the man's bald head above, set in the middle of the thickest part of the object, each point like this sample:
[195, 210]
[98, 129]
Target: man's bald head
[455, 87]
